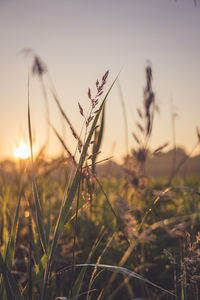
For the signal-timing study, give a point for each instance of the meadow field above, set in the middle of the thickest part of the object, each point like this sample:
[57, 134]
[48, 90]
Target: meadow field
[73, 227]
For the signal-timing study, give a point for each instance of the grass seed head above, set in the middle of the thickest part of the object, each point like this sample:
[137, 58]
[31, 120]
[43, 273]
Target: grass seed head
[39, 68]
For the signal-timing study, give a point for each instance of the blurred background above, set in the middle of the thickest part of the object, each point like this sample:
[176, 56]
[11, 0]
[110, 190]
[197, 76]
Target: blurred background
[78, 41]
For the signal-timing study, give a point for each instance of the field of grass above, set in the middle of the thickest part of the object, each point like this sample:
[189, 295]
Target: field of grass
[69, 233]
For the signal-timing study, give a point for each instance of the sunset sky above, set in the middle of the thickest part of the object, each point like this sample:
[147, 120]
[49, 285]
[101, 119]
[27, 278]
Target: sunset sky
[79, 40]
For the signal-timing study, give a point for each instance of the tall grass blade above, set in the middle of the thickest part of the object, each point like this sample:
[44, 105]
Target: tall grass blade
[93, 277]
[64, 146]
[5, 232]
[98, 140]
[64, 115]
[127, 272]
[12, 288]
[39, 220]
[124, 115]
[10, 249]
[77, 285]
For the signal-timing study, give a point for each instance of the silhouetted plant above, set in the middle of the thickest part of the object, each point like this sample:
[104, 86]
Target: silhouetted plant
[145, 125]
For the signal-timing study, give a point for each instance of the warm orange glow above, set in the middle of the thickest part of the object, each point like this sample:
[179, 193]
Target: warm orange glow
[22, 151]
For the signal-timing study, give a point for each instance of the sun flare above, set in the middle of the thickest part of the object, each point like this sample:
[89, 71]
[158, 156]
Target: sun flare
[22, 151]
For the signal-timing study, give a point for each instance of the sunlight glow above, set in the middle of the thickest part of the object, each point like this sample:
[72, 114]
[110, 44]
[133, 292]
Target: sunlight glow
[22, 151]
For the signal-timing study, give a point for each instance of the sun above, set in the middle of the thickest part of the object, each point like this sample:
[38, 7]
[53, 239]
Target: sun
[22, 151]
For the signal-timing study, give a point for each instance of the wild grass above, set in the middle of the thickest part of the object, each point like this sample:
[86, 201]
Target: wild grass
[68, 233]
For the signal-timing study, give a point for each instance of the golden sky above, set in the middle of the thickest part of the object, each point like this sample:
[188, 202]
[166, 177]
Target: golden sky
[79, 40]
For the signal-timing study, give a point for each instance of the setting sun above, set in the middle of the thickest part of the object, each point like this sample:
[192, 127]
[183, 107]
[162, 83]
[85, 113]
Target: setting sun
[22, 151]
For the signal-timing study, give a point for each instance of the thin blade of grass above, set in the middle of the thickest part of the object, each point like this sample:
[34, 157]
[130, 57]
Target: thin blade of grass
[64, 115]
[49, 223]
[127, 272]
[5, 232]
[76, 223]
[93, 277]
[64, 145]
[98, 142]
[10, 249]
[39, 220]
[77, 285]
[37, 277]
[12, 288]
[124, 116]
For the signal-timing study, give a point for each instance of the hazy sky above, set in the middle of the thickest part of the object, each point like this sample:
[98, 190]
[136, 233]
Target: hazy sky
[79, 40]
